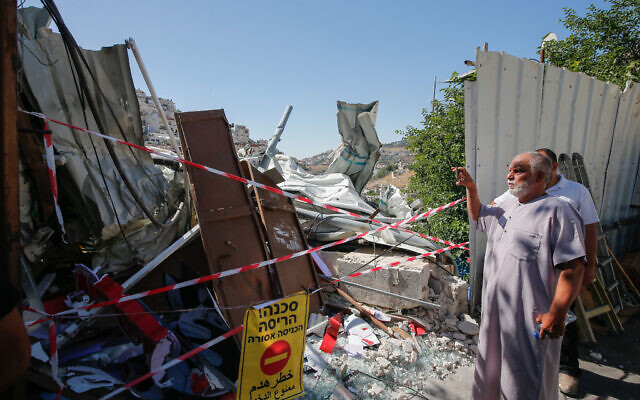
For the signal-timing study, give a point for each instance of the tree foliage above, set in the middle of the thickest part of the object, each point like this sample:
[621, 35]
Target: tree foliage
[438, 146]
[605, 43]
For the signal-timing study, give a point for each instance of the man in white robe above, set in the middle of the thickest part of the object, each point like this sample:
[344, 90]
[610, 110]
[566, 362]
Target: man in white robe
[533, 271]
[579, 197]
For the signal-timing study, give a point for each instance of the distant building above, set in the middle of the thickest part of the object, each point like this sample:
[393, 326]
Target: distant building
[152, 124]
[157, 139]
[240, 134]
[155, 132]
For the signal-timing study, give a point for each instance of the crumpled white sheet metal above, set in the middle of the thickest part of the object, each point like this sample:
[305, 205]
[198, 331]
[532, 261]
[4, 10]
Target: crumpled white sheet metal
[393, 204]
[331, 188]
[360, 144]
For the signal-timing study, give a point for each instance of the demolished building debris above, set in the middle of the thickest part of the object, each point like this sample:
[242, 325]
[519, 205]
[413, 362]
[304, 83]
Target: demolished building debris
[144, 287]
[237, 225]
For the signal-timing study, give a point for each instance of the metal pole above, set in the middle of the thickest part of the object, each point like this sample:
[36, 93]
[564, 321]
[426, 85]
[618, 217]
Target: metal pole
[151, 265]
[134, 48]
[434, 92]
[398, 296]
[131, 44]
[273, 142]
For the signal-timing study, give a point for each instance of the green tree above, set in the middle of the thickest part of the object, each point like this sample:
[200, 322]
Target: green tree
[438, 146]
[605, 43]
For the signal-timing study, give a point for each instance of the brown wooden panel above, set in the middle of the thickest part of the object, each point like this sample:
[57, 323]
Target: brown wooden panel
[285, 237]
[9, 192]
[230, 229]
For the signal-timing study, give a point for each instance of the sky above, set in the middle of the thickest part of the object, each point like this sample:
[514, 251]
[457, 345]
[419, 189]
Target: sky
[253, 58]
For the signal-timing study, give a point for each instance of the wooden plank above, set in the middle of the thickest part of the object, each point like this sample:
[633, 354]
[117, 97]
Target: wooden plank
[285, 236]
[236, 239]
[9, 201]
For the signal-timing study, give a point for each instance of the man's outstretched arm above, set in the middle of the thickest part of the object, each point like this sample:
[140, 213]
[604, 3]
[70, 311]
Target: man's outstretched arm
[473, 200]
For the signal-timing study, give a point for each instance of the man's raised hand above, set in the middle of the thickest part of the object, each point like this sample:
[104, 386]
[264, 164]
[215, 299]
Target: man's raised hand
[463, 178]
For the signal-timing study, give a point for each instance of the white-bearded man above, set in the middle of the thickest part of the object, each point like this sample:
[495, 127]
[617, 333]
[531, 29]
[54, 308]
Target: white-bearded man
[533, 270]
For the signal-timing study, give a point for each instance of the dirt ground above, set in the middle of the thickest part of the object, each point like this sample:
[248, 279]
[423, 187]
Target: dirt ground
[615, 376]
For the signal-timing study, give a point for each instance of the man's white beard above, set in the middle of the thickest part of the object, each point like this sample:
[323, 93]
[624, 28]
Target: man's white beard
[521, 189]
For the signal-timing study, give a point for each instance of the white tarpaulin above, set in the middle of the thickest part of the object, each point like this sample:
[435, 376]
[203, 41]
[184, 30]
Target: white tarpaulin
[393, 204]
[334, 189]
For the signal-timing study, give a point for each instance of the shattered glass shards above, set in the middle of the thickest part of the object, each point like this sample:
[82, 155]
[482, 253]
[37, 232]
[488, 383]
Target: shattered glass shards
[393, 370]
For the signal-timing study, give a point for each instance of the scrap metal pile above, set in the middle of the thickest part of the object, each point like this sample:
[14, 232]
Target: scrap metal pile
[138, 273]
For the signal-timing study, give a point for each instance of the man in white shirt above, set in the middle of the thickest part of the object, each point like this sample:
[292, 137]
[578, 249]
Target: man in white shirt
[580, 198]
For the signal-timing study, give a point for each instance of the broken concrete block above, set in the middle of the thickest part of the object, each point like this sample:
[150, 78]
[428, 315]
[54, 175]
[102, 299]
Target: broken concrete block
[435, 285]
[466, 317]
[375, 390]
[451, 322]
[410, 355]
[455, 289]
[317, 324]
[469, 328]
[381, 367]
[459, 336]
[409, 279]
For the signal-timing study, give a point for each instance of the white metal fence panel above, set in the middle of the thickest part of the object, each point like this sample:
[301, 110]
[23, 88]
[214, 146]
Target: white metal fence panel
[622, 171]
[518, 105]
[578, 115]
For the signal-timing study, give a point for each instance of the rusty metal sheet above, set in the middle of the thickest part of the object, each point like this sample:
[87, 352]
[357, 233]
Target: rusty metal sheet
[230, 229]
[285, 237]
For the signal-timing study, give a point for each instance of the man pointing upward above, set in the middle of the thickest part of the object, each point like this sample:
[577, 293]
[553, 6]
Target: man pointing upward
[533, 271]
[579, 197]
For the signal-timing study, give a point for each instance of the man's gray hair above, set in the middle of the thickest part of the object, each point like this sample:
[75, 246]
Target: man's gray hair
[540, 163]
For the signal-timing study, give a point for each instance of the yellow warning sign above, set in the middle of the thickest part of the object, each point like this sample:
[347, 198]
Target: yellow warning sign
[273, 344]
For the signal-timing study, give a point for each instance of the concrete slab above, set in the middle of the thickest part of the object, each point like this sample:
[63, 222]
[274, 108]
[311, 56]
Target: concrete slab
[408, 279]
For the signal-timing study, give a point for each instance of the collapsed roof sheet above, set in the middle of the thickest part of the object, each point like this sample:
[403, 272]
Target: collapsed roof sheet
[48, 73]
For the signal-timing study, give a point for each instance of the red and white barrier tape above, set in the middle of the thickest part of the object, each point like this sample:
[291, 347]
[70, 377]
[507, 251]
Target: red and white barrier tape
[51, 166]
[238, 270]
[173, 362]
[235, 177]
[53, 357]
[246, 181]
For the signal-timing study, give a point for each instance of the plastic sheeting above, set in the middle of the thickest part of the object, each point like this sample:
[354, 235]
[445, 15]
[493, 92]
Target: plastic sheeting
[360, 149]
[393, 204]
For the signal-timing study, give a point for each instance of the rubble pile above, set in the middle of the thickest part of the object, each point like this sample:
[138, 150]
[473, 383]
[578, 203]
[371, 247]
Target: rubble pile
[143, 284]
[402, 366]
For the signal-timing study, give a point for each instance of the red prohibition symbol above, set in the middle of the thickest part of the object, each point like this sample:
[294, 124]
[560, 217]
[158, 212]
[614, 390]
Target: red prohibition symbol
[275, 357]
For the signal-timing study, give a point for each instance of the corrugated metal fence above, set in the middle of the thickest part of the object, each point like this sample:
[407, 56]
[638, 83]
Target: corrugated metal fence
[518, 105]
